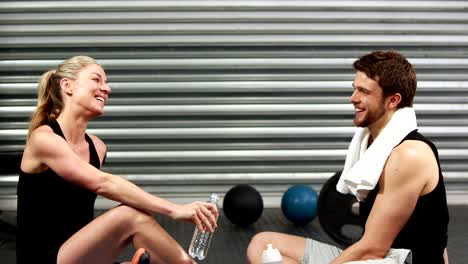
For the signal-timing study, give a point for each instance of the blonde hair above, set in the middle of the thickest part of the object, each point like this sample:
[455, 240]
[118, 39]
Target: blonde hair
[49, 96]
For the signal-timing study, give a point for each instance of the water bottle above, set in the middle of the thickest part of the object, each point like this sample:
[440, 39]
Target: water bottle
[271, 256]
[201, 240]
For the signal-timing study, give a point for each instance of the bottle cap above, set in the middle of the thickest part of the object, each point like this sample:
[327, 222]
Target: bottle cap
[271, 255]
[214, 198]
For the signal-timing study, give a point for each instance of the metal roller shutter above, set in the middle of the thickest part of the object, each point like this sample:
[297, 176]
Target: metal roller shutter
[208, 94]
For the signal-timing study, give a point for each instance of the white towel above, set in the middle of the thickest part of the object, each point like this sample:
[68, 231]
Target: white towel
[363, 166]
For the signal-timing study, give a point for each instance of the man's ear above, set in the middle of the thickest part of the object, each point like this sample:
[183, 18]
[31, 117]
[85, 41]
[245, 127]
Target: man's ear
[66, 86]
[394, 100]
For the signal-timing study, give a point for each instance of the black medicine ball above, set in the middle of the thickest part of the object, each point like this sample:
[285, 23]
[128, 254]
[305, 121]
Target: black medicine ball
[243, 205]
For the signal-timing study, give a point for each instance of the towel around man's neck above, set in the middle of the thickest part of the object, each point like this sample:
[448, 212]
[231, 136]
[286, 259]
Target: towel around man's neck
[363, 166]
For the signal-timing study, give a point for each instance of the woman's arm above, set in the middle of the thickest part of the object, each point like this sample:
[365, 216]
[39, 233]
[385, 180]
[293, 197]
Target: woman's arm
[61, 159]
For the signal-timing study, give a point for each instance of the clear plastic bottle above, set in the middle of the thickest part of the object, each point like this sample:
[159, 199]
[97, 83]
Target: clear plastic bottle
[201, 240]
[271, 256]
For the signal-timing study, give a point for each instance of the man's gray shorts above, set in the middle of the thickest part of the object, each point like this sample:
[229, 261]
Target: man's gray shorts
[320, 253]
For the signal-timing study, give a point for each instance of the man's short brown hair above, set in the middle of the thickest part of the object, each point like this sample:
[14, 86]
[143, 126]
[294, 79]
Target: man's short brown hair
[392, 72]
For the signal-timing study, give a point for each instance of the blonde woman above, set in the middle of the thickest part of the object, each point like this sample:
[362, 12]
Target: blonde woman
[60, 178]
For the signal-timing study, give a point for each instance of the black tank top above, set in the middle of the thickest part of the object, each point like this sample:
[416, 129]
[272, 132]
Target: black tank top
[425, 233]
[51, 210]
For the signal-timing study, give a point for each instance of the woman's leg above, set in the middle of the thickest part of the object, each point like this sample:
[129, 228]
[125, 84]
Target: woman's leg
[446, 256]
[102, 240]
[291, 247]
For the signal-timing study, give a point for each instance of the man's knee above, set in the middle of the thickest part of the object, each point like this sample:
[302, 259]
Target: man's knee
[262, 238]
[257, 245]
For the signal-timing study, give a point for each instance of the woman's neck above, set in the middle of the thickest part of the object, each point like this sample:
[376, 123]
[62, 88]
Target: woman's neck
[73, 127]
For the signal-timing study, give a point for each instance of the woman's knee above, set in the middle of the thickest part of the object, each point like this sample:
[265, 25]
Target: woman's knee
[184, 259]
[129, 216]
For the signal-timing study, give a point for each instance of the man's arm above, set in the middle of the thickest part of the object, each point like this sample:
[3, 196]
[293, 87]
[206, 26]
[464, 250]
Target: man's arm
[410, 172]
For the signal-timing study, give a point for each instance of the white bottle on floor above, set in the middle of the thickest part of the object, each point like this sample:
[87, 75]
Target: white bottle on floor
[271, 256]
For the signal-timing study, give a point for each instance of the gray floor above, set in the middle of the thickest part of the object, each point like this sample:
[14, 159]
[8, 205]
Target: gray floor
[230, 242]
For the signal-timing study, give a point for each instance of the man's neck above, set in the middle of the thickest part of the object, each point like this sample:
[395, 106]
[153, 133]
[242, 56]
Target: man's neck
[378, 126]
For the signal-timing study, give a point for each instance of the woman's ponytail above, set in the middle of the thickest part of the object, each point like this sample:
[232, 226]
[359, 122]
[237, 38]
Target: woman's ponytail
[49, 101]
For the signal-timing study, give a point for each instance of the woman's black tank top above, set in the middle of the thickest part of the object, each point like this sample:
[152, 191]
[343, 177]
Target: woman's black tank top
[425, 233]
[50, 210]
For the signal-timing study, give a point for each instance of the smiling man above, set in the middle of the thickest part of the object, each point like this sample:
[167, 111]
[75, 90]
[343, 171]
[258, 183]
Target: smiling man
[392, 170]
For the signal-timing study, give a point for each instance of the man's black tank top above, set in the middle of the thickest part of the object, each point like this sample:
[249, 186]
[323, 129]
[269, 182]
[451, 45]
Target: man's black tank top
[51, 210]
[425, 233]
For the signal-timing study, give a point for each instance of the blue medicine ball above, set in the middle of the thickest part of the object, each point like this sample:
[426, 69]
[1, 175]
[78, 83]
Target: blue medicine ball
[299, 204]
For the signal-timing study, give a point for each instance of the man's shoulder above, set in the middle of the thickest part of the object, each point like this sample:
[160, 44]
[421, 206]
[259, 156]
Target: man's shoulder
[412, 153]
[412, 163]
[410, 156]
